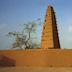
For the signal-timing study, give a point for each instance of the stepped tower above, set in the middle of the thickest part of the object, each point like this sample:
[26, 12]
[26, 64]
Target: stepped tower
[50, 37]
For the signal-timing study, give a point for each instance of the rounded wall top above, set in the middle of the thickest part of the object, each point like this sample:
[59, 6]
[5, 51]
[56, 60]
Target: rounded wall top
[50, 6]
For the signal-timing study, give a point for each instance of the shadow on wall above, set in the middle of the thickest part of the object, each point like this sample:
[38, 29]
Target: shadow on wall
[6, 61]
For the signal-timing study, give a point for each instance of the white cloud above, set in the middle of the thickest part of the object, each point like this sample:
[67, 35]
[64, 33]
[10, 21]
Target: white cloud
[2, 26]
[70, 28]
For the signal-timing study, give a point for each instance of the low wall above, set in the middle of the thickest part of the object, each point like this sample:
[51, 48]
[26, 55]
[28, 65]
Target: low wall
[6, 61]
[40, 57]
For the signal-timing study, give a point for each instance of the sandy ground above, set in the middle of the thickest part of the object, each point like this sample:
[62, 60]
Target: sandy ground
[35, 69]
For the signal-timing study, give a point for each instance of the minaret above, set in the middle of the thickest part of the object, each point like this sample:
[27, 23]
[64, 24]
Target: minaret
[50, 37]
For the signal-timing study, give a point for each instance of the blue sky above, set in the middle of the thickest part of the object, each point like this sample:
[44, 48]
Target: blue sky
[14, 13]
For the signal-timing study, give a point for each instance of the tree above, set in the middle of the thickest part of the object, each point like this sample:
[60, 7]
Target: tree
[23, 39]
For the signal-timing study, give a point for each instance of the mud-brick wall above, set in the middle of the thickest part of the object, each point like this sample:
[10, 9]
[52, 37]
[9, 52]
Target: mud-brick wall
[6, 61]
[40, 57]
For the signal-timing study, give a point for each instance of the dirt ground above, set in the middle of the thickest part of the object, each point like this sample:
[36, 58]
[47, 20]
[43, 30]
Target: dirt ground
[35, 69]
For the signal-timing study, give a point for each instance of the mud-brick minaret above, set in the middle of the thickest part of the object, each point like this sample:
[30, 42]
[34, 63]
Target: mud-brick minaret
[50, 37]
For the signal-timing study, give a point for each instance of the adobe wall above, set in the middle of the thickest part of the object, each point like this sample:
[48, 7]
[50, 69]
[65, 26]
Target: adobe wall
[6, 61]
[40, 57]
[50, 38]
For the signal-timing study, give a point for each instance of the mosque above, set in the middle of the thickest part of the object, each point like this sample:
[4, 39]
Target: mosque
[49, 55]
